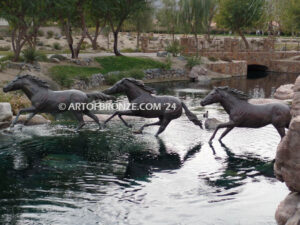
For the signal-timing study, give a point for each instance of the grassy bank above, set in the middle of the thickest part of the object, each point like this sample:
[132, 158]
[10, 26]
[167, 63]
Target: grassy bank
[128, 67]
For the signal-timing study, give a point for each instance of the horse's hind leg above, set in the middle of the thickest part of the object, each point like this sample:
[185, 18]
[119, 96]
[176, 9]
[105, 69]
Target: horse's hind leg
[228, 129]
[148, 125]
[281, 131]
[223, 125]
[120, 114]
[79, 117]
[94, 117]
[164, 124]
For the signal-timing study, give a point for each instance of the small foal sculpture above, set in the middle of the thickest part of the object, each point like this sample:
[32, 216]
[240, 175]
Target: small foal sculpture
[244, 114]
[44, 100]
[140, 95]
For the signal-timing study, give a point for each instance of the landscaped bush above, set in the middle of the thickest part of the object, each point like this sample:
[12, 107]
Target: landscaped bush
[17, 100]
[40, 43]
[41, 33]
[112, 78]
[212, 59]
[1, 38]
[5, 48]
[168, 63]
[192, 61]
[130, 50]
[123, 63]
[174, 48]
[57, 46]
[50, 34]
[84, 45]
[65, 75]
[30, 55]
[3, 66]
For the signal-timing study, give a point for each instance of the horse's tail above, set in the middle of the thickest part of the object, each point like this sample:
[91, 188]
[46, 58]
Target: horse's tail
[99, 96]
[192, 117]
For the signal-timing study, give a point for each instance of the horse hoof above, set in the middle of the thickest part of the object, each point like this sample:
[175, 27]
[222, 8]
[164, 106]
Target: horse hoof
[137, 132]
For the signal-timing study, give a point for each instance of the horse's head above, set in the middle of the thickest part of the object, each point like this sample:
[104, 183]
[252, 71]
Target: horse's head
[24, 80]
[127, 84]
[14, 85]
[213, 97]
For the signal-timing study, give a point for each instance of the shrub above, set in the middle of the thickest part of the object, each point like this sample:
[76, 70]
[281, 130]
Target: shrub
[56, 46]
[174, 48]
[31, 55]
[1, 38]
[212, 59]
[168, 62]
[40, 43]
[192, 61]
[17, 101]
[5, 48]
[50, 34]
[84, 45]
[113, 77]
[41, 33]
[3, 66]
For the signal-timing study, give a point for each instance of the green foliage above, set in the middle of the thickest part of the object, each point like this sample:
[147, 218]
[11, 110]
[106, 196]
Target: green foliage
[57, 46]
[30, 55]
[65, 75]
[40, 33]
[239, 15]
[50, 34]
[174, 48]
[168, 63]
[168, 16]
[5, 48]
[122, 63]
[212, 59]
[192, 61]
[112, 78]
[3, 66]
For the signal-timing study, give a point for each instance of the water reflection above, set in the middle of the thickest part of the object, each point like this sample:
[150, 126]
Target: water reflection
[237, 168]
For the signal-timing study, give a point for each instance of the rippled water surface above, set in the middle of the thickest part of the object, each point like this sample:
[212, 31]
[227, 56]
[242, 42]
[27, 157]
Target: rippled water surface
[50, 175]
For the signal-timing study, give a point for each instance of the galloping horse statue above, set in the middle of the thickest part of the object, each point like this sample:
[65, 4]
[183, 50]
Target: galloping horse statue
[44, 100]
[244, 114]
[138, 94]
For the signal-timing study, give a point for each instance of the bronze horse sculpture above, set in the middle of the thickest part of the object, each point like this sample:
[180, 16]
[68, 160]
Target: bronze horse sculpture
[244, 114]
[138, 94]
[44, 100]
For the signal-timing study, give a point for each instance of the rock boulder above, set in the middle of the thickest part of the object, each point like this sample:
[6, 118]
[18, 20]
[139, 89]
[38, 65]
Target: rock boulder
[5, 112]
[284, 92]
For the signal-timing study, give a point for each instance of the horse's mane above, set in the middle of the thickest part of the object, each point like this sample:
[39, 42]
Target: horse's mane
[36, 80]
[237, 93]
[141, 84]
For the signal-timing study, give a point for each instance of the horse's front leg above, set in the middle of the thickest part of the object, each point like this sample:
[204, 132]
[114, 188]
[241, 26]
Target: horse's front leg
[30, 117]
[30, 109]
[120, 114]
[223, 125]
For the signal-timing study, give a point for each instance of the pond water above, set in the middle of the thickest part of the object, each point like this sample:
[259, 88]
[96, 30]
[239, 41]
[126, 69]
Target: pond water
[50, 175]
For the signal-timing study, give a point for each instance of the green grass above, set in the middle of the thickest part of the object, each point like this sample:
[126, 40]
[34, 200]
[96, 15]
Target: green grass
[64, 75]
[123, 63]
[129, 67]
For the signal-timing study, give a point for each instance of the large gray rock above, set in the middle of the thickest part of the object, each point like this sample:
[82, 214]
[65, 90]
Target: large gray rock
[288, 211]
[36, 120]
[197, 71]
[284, 92]
[5, 112]
[211, 123]
[287, 163]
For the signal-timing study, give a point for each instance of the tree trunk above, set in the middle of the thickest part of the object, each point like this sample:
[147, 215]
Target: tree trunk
[18, 41]
[94, 39]
[197, 44]
[138, 40]
[108, 41]
[244, 39]
[116, 50]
